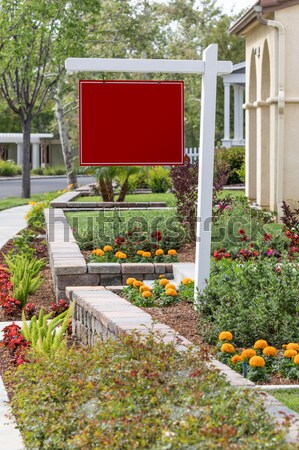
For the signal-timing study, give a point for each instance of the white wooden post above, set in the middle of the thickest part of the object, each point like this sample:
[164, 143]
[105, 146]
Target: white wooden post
[206, 169]
[236, 113]
[227, 111]
[210, 67]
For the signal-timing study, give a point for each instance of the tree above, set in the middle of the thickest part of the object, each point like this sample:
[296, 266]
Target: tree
[36, 36]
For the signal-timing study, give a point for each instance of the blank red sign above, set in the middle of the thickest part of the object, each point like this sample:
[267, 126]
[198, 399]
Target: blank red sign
[131, 123]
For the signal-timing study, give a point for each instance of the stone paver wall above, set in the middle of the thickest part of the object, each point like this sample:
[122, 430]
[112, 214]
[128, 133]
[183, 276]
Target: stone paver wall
[69, 268]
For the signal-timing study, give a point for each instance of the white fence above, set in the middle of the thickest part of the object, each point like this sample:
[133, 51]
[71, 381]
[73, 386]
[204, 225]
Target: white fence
[192, 153]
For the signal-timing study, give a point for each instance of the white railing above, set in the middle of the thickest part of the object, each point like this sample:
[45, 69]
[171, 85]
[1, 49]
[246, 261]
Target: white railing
[193, 154]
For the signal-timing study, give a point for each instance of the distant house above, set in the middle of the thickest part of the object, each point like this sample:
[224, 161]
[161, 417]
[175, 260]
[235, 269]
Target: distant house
[45, 149]
[271, 29]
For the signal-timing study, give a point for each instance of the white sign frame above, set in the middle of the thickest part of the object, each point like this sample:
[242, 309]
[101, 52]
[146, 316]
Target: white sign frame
[209, 68]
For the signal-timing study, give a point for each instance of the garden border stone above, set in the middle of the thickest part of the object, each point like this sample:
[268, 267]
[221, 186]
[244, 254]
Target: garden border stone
[69, 267]
[101, 314]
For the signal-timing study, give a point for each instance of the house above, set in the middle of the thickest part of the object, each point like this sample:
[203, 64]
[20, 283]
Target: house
[271, 30]
[45, 149]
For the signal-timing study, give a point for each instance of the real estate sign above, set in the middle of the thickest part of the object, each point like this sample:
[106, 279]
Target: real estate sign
[131, 123]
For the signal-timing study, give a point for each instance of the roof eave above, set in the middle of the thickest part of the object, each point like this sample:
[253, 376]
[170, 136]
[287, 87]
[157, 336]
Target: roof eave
[241, 24]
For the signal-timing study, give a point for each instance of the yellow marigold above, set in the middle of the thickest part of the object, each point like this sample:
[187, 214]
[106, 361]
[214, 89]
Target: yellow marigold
[93, 252]
[162, 276]
[146, 255]
[171, 252]
[269, 351]
[236, 358]
[120, 255]
[107, 248]
[284, 346]
[139, 252]
[260, 344]
[296, 359]
[293, 346]
[130, 281]
[187, 281]
[171, 292]
[257, 361]
[32, 203]
[144, 288]
[227, 348]
[290, 353]
[137, 283]
[163, 282]
[99, 252]
[146, 294]
[170, 286]
[248, 353]
[225, 336]
[159, 252]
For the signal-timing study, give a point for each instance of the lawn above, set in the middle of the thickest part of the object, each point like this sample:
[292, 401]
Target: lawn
[11, 202]
[168, 198]
[289, 397]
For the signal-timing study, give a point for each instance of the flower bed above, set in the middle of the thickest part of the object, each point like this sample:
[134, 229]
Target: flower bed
[261, 361]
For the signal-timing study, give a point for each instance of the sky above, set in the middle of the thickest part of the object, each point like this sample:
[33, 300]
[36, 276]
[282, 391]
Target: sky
[235, 5]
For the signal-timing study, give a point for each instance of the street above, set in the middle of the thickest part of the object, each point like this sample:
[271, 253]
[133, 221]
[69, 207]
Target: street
[13, 187]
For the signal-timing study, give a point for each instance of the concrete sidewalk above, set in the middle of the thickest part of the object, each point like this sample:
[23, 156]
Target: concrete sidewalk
[11, 222]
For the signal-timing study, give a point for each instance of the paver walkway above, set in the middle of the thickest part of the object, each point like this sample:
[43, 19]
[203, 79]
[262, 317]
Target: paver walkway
[11, 222]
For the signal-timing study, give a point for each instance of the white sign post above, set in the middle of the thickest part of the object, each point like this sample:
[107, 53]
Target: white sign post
[209, 68]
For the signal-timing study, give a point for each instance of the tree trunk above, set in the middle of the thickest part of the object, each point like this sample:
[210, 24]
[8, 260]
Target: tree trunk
[26, 126]
[124, 190]
[65, 144]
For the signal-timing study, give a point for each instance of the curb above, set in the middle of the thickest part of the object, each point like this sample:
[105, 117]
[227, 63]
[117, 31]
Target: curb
[39, 177]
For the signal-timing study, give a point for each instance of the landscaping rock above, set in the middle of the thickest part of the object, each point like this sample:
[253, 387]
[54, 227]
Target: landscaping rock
[134, 268]
[74, 280]
[107, 268]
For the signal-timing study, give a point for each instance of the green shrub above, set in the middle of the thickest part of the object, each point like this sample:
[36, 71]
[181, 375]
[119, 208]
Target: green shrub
[235, 158]
[25, 275]
[52, 170]
[241, 172]
[9, 169]
[133, 395]
[35, 216]
[254, 300]
[159, 179]
[47, 337]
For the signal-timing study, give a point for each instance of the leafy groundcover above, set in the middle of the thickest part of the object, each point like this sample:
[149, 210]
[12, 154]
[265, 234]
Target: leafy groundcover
[135, 395]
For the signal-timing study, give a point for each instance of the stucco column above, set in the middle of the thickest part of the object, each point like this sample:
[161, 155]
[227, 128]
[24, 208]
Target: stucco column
[20, 153]
[263, 156]
[35, 156]
[250, 155]
[236, 113]
[227, 111]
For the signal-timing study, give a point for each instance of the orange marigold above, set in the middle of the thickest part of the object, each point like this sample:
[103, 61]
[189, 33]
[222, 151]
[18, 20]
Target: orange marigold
[130, 281]
[146, 294]
[163, 282]
[144, 288]
[120, 255]
[99, 252]
[162, 276]
[296, 359]
[137, 283]
[248, 353]
[227, 348]
[293, 346]
[269, 351]
[260, 344]
[171, 292]
[257, 361]
[284, 346]
[236, 358]
[225, 336]
[171, 252]
[159, 252]
[139, 252]
[290, 353]
[187, 281]
[146, 255]
[108, 248]
[170, 286]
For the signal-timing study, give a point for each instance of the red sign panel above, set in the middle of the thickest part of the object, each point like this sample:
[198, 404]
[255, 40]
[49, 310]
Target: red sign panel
[131, 123]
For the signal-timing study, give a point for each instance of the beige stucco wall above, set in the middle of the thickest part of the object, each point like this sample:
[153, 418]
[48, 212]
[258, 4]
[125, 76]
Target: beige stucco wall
[261, 119]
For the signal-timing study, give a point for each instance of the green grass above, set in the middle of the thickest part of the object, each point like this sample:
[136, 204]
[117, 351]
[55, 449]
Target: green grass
[233, 193]
[168, 198]
[289, 397]
[11, 202]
